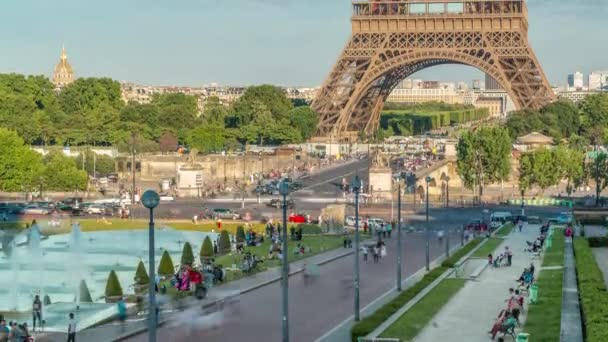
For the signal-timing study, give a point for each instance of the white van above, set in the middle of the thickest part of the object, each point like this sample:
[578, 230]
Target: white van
[499, 218]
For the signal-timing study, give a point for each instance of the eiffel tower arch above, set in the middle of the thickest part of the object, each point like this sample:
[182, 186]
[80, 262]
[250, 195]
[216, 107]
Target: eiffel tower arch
[391, 40]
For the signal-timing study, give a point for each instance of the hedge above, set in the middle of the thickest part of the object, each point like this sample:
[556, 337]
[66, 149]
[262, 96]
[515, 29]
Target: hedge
[166, 267]
[85, 295]
[592, 293]
[371, 322]
[598, 242]
[310, 229]
[206, 249]
[224, 245]
[240, 234]
[141, 275]
[187, 255]
[113, 288]
[452, 260]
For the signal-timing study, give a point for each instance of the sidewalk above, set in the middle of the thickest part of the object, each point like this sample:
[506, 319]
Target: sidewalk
[470, 314]
[115, 332]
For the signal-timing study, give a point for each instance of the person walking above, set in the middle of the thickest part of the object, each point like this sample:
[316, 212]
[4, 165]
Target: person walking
[375, 252]
[36, 312]
[389, 229]
[520, 225]
[365, 251]
[71, 328]
[509, 255]
[122, 313]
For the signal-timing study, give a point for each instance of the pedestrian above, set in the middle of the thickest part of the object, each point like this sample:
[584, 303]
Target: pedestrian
[490, 259]
[389, 230]
[345, 242]
[122, 313]
[509, 255]
[365, 227]
[382, 250]
[520, 225]
[375, 254]
[71, 328]
[383, 228]
[36, 312]
[365, 251]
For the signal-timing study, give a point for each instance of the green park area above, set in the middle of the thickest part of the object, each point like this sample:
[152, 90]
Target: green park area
[487, 248]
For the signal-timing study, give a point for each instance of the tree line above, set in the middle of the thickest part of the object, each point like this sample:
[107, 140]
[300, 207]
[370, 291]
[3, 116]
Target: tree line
[91, 111]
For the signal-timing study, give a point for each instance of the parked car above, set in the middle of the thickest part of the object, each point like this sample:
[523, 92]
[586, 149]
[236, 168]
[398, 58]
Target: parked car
[562, 218]
[167, 198]
[375, 222]
[534, 220]
[34, 209]
[224, 213]
[477, 225]
[278, 203]
[296, 218]
[96, 209]
[349, 221]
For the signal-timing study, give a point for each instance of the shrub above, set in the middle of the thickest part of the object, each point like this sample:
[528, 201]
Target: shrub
[598, 242]
[592, 292]
[141, 275]
[113, 288]
[452, 260]
[370, 323]
[85, 295]
[224, 244]
[240, 234]
[206, 249]
[310, 229]
[166, 267]
[187, 255]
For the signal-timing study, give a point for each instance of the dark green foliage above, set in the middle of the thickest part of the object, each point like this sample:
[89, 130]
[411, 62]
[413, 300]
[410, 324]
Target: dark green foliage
[166, 267]
[113, 288]
[596, 242]
[371, 322]
[141, 275]
[310, 229]
[85, 295]
[187, 255]
[224, 244]
[592, 292]
[206, 248]
[454, 258]
[240, 234]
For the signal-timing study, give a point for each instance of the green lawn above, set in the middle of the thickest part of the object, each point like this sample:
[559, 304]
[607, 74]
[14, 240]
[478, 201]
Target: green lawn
[505, 230]
[488, 248]
[543, 322]
[554, 256]
[416, 318]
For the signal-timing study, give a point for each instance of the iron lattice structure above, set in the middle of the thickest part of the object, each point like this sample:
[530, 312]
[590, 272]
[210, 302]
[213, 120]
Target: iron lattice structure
[393, 39]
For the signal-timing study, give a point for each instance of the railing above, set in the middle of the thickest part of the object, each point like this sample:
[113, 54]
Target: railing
[366, 8]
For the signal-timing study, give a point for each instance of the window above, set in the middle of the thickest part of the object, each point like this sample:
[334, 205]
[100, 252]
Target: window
[417, 8]
[455, 7]
[436, 8]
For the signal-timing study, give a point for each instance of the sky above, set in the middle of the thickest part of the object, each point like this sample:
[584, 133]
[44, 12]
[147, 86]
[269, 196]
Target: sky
[246, 42]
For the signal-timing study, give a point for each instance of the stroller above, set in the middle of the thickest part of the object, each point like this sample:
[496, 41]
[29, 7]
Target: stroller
[500, 261]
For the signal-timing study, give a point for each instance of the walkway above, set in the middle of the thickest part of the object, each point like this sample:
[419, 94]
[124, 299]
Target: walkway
[470, 314]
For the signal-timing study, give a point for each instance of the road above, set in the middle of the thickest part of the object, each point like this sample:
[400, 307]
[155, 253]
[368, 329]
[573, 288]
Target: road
[315, 309]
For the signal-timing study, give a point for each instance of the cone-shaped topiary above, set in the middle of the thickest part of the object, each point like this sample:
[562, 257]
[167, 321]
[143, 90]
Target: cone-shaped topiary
[224, 244]
[141, 275]
[46, 300]
[166, 267]
[187, 256]
[206, 249]
[113, 288]
[85, 295]
[240, 234]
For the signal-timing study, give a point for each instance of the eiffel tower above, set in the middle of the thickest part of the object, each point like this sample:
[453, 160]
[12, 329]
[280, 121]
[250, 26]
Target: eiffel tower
[393, 39]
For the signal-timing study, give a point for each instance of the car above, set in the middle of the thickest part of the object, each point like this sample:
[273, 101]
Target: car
[374, 222]
[534, 220]
[477, 225]
[562, 218]
[296, 218]
[34, 209]
[349, 221]
[224, 213]
[278, 203]
[96, 209]
[167, 198]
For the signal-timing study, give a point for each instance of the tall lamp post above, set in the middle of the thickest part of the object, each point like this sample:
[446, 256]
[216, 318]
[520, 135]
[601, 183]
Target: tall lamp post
[447, 191]
[523, 213]
[399, 237]
[284, 191]
[356, 186]
[150, 200]
[428, 255]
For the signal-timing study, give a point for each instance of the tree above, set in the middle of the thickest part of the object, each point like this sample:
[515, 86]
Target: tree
[598, 170]
[166, 267]
[168, 142]
[61, 174]
[594, 110]
[187, 255]
[526, 173]
[224, 244]
[83, 291]
[305, 120]
[178, 111]
[141, 275]
[571, 167]
[240, 234]
[20, 168]
[207, 138]
[273, 98]
[206, 249]
[113, 288]
[98, 164]
[215, 113]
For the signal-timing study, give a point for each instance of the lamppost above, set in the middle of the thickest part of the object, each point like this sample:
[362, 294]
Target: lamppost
[284, 191]
[428, 255]
[399, 237]
[447, 191]
[356, 186]
[225, 179]
[150, 200]
[523, 213]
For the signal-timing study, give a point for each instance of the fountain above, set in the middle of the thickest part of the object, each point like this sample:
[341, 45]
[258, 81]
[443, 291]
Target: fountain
[35, 259]
[15, 286]
[76, 268]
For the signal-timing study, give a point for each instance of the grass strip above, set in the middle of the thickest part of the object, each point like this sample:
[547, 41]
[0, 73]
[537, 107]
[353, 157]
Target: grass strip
[592, 293]
[554, 256]
[543, 322]
[452, 260]
[488, 248]
[505, 230]
[418, 316]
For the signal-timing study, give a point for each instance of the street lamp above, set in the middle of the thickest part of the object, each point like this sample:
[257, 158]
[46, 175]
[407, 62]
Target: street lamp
[399, 237]
[428, 179]
[150, 200]
[284, 191]
[356, 186]
[447, 191]
[522, 203]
